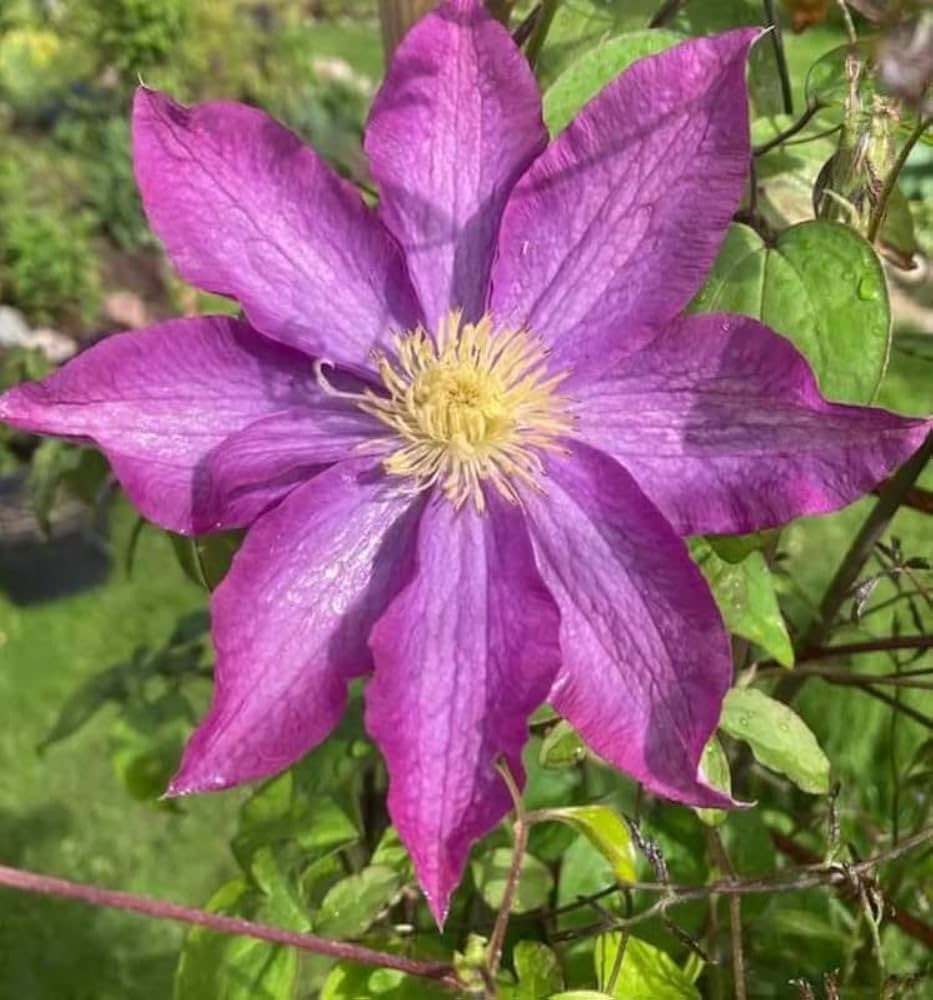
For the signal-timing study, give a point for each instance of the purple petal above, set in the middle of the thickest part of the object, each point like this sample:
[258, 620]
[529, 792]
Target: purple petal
[454, 126]
[614, 228]
[721, 423]
[157, 402]
[646, 660]
[463, 656]
[290, 623]
[246, 209]
[253, 469]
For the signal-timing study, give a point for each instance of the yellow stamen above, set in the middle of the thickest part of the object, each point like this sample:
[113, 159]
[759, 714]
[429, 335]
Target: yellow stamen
[468, 407]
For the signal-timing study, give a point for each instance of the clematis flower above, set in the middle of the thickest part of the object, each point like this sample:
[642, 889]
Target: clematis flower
[466, 431]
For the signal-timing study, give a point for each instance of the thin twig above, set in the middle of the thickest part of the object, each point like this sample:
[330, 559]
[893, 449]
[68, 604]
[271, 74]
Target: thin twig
[888, 644]
[890, 181]
[912, 713]
[546, 11]
[791, 130]
[777, 40]
[912, 926]
[666, 12]
[840, 587]
[847, 19]
[497, 939]
[721, 858]
[808, 878]
[847, 678]
[45, 885]
[916, 498]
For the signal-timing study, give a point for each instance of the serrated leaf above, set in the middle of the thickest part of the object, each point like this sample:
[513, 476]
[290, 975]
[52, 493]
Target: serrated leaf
[778, 737]
[747, 599]
[714, 765]
[224, 967]
[821, 286]
[606, 831]
[583, 79]
[561, 747]
[491, 872]
[354, 903]
[645, 973]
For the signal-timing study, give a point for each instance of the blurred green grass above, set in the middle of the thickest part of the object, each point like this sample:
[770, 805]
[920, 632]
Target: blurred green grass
[66, 813]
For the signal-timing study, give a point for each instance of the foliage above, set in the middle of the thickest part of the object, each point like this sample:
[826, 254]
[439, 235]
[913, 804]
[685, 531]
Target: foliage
[837, 777]
[47, 266]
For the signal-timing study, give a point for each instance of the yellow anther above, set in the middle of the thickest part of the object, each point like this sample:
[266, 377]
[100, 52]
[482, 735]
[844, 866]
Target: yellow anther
[469, 407]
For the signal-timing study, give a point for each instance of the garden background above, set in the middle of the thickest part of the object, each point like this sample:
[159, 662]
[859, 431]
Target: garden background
[104, 651]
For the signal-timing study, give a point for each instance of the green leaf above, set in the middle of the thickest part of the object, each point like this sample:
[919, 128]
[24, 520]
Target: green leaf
[714, 765]
[561, 747]
[584, 25]
[746, 597]
[646, 972]
[112, 684]
[821, 286]
[282, 900]
[146, 744]
[538, 971]
[223, 967]
[491, 872]
[735, 548]
[205, 560]
[299, 808]
[778, 737]
[51, 462]
[583, 79]
[356, 982]
[581, 995]
[390, 852]
[355, 903]
[606, 831]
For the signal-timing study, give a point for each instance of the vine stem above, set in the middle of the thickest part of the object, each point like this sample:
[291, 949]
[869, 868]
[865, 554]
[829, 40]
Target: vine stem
[497, 939]
[46, 885]
[840, 587]
[892, 643]
[891, 180]
[673, 895]
[546, 11]
[721, 857]
[791, 130]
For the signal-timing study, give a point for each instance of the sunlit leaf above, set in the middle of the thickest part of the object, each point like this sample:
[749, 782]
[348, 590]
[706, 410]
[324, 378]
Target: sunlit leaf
[746, 597]
[584, 25]
[645, 972]
[491, 872]
[584, 78]
[821, 286]
[714, 766]
[538, 971]
[607, 832]
[355, 902]
[224, 967]
[581, 995]
[778, 737]
[356, 982]
[561, 747]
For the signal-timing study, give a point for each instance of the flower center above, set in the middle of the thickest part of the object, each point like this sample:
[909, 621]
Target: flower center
[468, 407]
